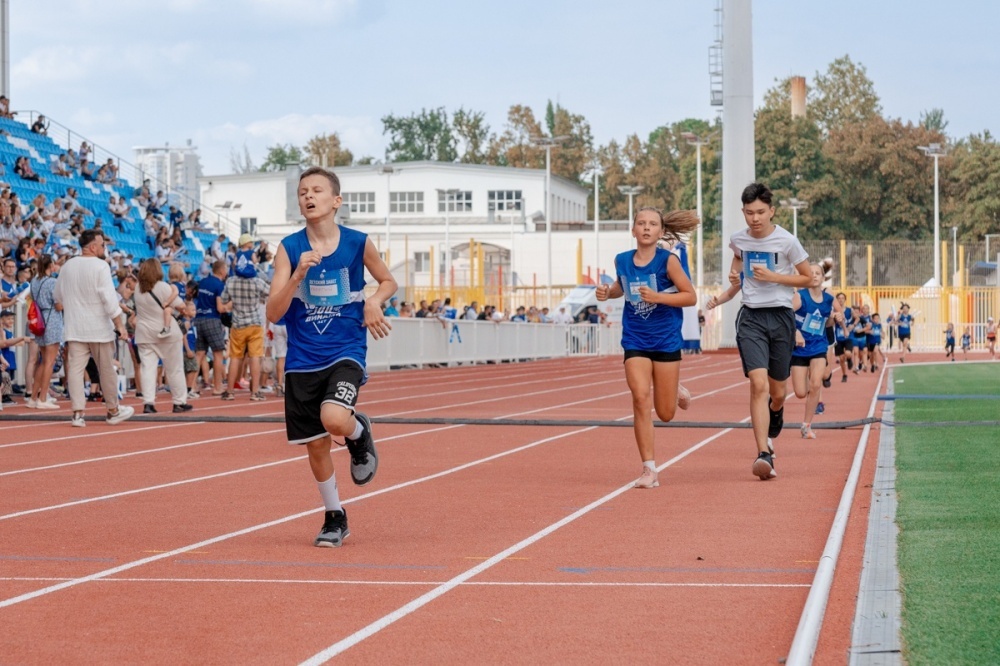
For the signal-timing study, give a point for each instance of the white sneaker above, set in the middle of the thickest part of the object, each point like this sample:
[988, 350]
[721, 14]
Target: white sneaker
[78, 421]
[683, 397]
[31, 403]
[193, 395]
[124, 414]
[46, 405]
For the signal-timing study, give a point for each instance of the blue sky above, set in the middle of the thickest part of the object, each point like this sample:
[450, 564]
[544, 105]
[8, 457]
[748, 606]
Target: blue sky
[225, 73]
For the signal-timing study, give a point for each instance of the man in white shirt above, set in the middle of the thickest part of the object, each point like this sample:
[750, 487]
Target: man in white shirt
[91, 315]
[562, 317]
[773, 264]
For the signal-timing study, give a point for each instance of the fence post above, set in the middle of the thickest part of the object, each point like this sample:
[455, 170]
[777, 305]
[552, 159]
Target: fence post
[843, 264]
[869, 248]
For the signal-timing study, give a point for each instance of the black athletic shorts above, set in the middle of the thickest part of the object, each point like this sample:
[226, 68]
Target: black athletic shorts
[840, 348]
[654, 356]
[904, 338]
[872, 346]
[306, 392]
[766, 338]
[806, 361]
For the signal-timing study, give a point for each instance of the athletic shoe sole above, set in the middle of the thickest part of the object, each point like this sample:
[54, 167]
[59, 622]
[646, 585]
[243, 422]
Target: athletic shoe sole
[323, 543]
[364, 473]
[763, 469]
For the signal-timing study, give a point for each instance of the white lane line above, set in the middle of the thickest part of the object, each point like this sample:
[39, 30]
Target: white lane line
[417, 583]
[254, 528]
[401, 612]
[182, 482]
[136, 453]
[103, 433]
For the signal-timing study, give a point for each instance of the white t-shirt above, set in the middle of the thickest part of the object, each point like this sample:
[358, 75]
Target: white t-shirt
[779, 251]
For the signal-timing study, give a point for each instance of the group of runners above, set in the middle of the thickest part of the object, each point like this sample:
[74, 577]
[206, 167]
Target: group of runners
[788, 325]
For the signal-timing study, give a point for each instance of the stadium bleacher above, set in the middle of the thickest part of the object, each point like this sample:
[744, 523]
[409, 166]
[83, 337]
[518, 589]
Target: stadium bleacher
[17, 140]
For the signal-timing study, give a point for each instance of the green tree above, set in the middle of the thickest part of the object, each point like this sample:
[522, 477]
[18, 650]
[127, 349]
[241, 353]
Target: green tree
[472, 134]
[934, 120]
[842, 96]
[974, 186]
[424, 136]
[279, 156]
[326, 150]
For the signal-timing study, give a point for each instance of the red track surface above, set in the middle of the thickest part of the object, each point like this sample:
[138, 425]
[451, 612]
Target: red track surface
[573, 566]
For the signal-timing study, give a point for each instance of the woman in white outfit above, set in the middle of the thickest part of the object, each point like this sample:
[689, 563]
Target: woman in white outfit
[151, 296]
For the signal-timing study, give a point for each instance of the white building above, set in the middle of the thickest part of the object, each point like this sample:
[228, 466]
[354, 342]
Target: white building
[412, 211]
[175, 170]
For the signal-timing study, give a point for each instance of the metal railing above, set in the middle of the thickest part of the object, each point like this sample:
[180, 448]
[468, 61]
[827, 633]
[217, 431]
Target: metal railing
[127, 171]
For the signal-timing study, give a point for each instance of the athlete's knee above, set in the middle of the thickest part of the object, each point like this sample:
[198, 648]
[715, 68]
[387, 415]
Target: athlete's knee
[801, 391]
[337, 420]
[666, 412]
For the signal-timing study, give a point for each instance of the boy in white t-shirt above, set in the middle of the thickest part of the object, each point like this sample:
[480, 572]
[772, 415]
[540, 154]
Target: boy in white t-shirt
[773, 264]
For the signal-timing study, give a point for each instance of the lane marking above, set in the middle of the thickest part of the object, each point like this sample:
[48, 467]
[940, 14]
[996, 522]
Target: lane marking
[340, 646]
[282, 581]
[279, 521]
[103, 433]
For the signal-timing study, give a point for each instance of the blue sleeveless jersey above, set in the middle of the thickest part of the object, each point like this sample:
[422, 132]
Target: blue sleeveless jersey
[325, 321]
[903, 324]
[810, 319]
[648, 326]
[875, 335]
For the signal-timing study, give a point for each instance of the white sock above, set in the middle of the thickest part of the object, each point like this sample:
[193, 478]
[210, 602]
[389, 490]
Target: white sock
[328, 489]
[358, 430]
[650, 465]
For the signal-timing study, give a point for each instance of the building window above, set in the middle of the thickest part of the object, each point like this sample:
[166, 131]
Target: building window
[360, 202]
[248, 225]
[421, 262]
[505, 199]
[406, 202]
[458, 202]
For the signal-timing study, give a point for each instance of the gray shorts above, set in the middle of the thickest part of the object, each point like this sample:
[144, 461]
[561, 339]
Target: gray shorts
[209, 334]
[766, 338]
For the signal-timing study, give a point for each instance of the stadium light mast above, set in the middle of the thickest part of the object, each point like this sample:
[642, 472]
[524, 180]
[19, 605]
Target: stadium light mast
[936, 150]
[548, 142]
[697, 141]
[630, 191]
[449, 198]
[387, 170]
[795, 205]
[594, 171]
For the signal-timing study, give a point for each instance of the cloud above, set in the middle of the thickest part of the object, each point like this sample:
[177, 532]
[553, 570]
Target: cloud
[310, 11]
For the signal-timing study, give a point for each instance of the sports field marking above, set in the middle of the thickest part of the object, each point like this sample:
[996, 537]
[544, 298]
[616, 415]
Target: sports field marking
[261, 526]
[417, 583]
[401, 612]
[182, 482]
[136, 453]
[111, 430]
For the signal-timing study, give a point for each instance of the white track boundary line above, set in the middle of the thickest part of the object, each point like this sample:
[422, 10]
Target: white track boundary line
[417, 583]
[103, 433]
[254, 528]
[811, 621]
[401, 612]
[135, 453]
[208, 477]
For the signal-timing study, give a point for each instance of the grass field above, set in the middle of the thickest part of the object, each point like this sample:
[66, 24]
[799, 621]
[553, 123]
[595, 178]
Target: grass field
[948, 488]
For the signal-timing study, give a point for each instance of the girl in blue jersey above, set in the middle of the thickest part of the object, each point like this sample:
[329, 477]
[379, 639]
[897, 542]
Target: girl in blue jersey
[859, 338]
[813, 309]
[903, 321]
[656, 288]
[318, 294]
[949, 341]
[966, 343]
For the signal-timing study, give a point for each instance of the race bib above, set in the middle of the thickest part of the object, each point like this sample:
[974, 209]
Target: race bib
[635, 285]
[752, 258]
[814, 323]
[327, 288]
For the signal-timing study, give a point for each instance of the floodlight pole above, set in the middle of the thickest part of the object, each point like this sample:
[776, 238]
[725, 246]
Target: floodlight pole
[595, 171]
[697, 141]
[388, 170]
[449, 196]
[936, 150]
[548, 143]
[796, 205]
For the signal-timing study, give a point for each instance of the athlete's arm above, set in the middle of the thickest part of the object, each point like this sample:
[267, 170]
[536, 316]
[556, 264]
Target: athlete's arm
[796, 300]
[284, 283]
[375, 320]
[606, 291]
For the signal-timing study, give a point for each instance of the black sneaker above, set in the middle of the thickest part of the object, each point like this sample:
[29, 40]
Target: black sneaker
[334, 530]
[850, 364]
[364, 458]
[182, 408]
[843, 379]
[874, 368]
[148, 409]
[777, 420]
[827, 381]
[763, 466]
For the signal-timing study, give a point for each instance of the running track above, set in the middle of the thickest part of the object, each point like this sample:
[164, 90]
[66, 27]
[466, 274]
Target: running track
[191, 542]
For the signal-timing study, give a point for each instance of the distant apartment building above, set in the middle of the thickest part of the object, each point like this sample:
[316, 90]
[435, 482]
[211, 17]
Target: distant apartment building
[173, 169]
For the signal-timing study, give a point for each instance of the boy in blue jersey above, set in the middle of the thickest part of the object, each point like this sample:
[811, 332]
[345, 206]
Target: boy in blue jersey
[773, 264]
[902, 322]
[949, 341]
[875, 341]
[318, 294]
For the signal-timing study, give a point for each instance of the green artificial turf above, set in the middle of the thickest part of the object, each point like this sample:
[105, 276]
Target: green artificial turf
[948, 488]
